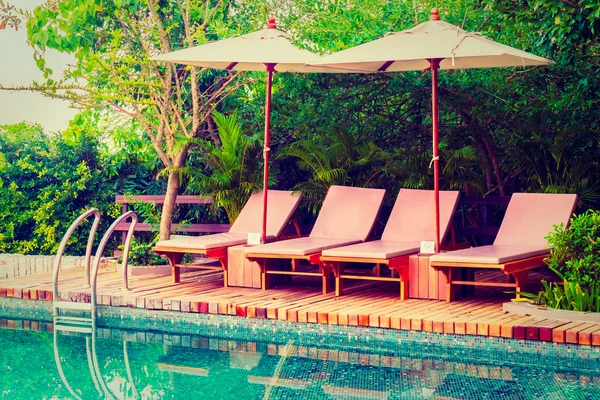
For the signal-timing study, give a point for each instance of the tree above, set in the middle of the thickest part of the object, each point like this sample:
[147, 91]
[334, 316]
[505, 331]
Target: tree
[46, 181]
[112, 41]
[232, 171]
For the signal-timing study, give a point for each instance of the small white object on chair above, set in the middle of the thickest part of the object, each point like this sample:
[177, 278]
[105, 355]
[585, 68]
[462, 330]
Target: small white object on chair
[427, 247]
[253, 238]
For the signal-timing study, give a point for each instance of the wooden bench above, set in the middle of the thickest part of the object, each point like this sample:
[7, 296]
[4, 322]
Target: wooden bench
[144, 227]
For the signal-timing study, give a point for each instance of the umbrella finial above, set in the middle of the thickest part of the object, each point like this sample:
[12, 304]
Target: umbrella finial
[434, 15]
[271, 24]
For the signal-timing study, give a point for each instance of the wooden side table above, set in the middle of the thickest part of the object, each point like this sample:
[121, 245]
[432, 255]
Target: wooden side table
[425, 282]
[245, 273]
[242, 273]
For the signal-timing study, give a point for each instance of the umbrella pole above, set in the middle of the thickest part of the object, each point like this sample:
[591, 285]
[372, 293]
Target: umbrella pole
[435, 65]
[270, 69]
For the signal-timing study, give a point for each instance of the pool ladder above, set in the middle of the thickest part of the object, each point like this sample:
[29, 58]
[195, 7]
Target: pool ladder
[79, 316]
[94, 367]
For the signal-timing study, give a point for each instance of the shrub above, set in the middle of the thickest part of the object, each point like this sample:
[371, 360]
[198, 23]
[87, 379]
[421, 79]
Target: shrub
[46, 181]
[569, 296]
[140, 253]
[575, 255]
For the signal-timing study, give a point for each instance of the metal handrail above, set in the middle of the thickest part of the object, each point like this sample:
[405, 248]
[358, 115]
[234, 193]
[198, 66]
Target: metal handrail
[108, 393]
[88, 350]
[136, 394]
[100, 250]
[90, 347]
[60, 369]
[127, 246]
[63, 245]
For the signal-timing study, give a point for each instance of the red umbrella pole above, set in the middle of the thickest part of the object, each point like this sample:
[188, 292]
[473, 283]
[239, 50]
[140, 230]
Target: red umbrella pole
[270, 69]
[435, 65]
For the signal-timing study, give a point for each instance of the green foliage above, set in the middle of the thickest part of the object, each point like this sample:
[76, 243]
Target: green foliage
[557, 163]
[575, 252]
[503, 130]
[112, 42]
[232, 168]
[140, 253]
[130, 161]
[336, 159]
[575, 257]
[48, 181]
[568, 296]
[567, 27]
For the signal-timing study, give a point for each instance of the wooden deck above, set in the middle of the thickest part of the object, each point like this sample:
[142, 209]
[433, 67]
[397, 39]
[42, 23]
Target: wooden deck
[374, 304]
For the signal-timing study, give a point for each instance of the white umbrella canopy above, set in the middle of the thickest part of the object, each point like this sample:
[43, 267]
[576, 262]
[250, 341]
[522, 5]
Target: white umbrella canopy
[432, 45]
[251, 52]
[268, 50]
[410, 50]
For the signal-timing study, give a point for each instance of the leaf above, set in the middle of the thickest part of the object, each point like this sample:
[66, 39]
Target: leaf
[41, 63]
[42, 37]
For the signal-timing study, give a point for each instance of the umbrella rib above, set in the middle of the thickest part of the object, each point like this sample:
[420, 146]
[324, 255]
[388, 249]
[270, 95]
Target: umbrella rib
[385, 66]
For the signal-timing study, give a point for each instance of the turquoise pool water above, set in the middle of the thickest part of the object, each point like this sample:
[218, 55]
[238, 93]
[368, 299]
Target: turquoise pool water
[129, 364]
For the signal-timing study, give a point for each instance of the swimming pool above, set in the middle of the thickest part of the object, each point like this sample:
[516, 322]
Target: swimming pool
[278, 363]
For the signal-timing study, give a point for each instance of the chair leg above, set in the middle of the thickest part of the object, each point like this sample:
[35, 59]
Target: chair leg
[520, 281]
[338, 270]
[326, 280]
[224, 263]
[448, 275]
[263, 274]
[403, 274]
[174, 259]
[295, 264]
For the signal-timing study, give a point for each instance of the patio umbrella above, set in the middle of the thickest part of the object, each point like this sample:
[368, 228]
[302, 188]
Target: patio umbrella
[267, 50]
[431, 45]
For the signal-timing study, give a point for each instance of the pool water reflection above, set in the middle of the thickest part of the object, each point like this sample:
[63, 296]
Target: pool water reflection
[124, 364]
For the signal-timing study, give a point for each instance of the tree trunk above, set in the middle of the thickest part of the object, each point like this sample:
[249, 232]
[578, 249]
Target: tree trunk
[212, 129]
[486, 161]
[167, 211]
[495, 164]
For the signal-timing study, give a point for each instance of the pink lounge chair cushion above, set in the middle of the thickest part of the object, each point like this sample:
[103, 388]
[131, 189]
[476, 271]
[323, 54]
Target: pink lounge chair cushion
[413, 216]
[378, 249]
[531, 216]
[281, 205]
[348, 213]
[205, 242]
[490, 254]
[299, 246]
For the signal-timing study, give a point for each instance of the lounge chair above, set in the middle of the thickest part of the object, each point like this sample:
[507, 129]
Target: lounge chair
[520, 245]
[347, 217]
[281, 208]
[410, 222]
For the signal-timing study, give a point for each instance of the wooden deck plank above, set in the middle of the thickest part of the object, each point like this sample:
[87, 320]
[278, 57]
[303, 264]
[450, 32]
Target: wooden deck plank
[559, 335]
[585, 336]
[364, 303]
[572, 334]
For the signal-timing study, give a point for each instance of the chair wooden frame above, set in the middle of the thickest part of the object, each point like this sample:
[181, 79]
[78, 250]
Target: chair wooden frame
[518, 269]
[397, 265]
[528, 218]
[175, 255]
[263, 261]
